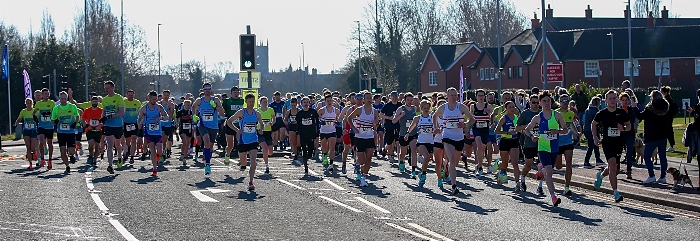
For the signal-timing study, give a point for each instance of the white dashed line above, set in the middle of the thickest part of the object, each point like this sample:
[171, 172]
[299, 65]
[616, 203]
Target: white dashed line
[410, 232]
[99, 203]
[341, 204]
[290, 184]
[431, 233]
[372, 205]
[334, 185]
[122, 230]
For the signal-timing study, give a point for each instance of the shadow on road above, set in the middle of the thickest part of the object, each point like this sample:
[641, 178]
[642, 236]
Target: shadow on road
[468, 207]
[207, 182]
[108, 178]
[230, 180]
[248, 196]
[145, 180]
[647, 214]
[566, 214]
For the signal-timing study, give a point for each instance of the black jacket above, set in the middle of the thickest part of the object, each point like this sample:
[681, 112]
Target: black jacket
[655, 119]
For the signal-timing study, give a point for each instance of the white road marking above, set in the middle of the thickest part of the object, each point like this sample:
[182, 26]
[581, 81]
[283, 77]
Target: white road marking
[98, 202]
[372, 205]
[290, 184]
[341, 204]
[410, 231]
[431, 233]
[122, 230]
[313, 172]
[334, 185]
[202, 197]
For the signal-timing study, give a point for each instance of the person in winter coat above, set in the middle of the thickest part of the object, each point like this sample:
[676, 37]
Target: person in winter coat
[593, 108]
[655, 116]
[672, 110]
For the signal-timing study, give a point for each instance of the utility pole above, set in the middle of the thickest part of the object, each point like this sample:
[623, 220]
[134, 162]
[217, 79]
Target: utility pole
[85, 51]
[121, 42]
[181, 74]
[629, 43]
[158, 87]
[498, 38]
[612, 58]
[359, 48]
[543, 41]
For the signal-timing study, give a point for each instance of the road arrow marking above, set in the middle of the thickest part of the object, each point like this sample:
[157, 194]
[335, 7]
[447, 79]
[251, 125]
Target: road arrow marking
[216, 190]
[202, 197]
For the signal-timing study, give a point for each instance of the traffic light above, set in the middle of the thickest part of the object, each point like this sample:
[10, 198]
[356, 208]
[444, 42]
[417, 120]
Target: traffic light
[373, 85]
[248, 52]
[377, 90]
[46, 81]
[64, 83]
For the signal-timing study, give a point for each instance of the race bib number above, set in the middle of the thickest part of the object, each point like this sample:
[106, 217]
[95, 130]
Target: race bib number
[482, 124]
[186, 126]
[45, 118]
[279, 115]
[365, 129]
[249, 128]
[29, 125]
[153, 127]
[292, 118]
[613, 132]
[427, 130]
[64, 127]
[208, 117]
[535, 131]
[548, 135]
[94, 122]
[511, 129]
[329, 122]
[235, 107]
[409, 123]
[306, 121]
[266, 122]
[109, 112]
[452, 124]
[130, 127]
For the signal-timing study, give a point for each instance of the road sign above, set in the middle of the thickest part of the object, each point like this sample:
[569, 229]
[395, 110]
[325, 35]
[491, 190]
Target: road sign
[555, 73]
[245, 92]
[686, 103]
[243, 80]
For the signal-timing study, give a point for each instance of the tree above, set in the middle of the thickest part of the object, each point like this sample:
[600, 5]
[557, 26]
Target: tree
[643, 8]
[476, 21]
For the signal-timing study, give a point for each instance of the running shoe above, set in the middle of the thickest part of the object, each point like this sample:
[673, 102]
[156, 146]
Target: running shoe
[325, 160]
[446, 179]
[618, 197]
[517, 187]
[67, 170]
[251, 187]
[267, 169]
[599, 180]
[50, 166]
[110, 169]
[402, 167]
[358, 177]
[161, 159]
[357, 169]
[440, 183]
[414, 174]
[77, 158]
[496, 165]
[587, 165]
[479, 171]
[523, 187]
[80, 151]
[455, 190]
[89, 160]
[489, 170]
[556, 201]
[661, 180]
[242, 168]
[227, 161]
[131, 161]
[30, 165]
[183, 160]
[363, 182]
[421, 180]
[502, 177]
[540, 192]
[207, 169]
[43, 162]
[154, 173]
[330, 168]
[567, 192]
[119, 163]
[344, 169]
[649, 180]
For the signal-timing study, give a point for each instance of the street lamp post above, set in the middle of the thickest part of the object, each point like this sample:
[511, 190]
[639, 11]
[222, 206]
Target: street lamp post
[181, 73]
[158, 87]
[303, 69]
[121, 43]
[544, 46]
[498, 39]
[629, 43]
[359, 45]
[612, 59]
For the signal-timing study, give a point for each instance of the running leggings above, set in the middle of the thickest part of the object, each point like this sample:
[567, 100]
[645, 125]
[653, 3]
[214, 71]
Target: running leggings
[307, 145]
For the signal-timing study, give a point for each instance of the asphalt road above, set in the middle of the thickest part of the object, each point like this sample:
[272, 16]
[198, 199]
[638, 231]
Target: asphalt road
[184, 204]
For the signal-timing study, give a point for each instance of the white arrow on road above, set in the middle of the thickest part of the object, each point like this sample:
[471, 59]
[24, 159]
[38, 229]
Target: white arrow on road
[204, 198]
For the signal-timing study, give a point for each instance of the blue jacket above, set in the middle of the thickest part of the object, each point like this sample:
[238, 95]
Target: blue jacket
[588, 117]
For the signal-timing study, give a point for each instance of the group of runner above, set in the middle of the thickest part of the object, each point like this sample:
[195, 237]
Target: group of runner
[421, 129]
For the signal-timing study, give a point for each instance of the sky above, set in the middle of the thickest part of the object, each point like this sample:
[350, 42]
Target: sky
[209, 29]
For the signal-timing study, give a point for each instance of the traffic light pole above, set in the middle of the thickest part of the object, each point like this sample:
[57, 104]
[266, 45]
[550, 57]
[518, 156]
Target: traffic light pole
[250, 73]
[55, 94]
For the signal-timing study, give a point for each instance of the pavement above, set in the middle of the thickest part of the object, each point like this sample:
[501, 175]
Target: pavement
[184, 204]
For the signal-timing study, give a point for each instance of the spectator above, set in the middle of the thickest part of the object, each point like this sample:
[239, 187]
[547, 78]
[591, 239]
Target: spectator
[625, 84]
[672, 111]
[655, 117]
[581, 100]
[593, 108]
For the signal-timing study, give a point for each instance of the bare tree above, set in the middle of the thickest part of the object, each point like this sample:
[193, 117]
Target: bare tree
[643, 8]
[476, 20]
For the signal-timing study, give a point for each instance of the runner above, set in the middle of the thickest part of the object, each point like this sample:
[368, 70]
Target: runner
[379, 137]
[551, 124]
[278, 129]
[42, 111]
[265, 140]
[65, 116]
[453, 113]
[482, 113]
[232, 105]
[113, 125]
[529, 149]
[208, 109]
[92, 116]
[290, 119]
[348, 132]
[29, 129]
[328, 115]
[249, 120]
[566, 142]
[150, 117]
[510, 145]
[404, 118]
[365, 122]
[424, 124]
[307, 127]
[131, 116]
[186, 124]
[166, 123]
[613, 120]
[438, 147]
[391, 130]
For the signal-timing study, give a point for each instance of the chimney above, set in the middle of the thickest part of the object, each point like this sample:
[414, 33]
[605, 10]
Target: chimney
[589, 12]
[651, 22]
[463, 40]
[550, 12]
[664, 13]
[536, 23]
[627, 12]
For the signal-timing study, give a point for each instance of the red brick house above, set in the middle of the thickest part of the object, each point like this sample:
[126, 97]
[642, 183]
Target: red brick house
[440, 67]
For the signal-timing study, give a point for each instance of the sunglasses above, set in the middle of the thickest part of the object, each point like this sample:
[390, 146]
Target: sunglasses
[534, 102]
[206, 88]
[564, 101]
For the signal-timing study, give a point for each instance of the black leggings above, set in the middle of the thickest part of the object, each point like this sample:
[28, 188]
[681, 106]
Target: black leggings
[307, 145]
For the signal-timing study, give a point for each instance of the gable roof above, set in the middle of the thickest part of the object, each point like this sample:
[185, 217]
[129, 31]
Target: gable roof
[573, 23]
[521, 51]
[491, 53]
[447, 55]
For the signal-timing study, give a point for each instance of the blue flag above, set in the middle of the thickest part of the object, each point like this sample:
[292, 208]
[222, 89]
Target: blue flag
[5, 64]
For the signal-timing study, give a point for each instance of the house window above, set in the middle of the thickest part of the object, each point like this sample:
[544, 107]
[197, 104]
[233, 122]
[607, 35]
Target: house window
[432, 78]
[481, 74]
[520, 71]
[662, 64]
[697, 66]
[493, 74]
[627, 67]
[510, 72]
[591, 68]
